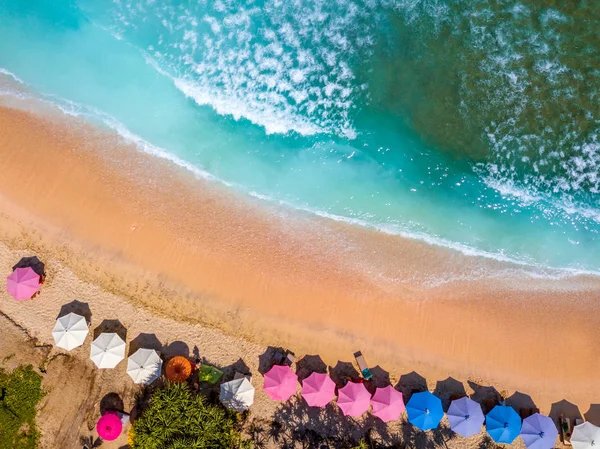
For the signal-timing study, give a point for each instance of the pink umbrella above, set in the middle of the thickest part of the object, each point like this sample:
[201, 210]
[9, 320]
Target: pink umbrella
[280, 383]
[353, 399]
[109, 427]
[318, 390]
[23, 283]
[387, 403]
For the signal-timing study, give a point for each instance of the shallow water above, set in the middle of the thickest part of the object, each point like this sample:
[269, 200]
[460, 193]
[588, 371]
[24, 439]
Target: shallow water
[464, 124]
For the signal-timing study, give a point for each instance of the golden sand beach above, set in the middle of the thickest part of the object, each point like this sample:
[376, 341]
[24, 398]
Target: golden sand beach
[143, 240]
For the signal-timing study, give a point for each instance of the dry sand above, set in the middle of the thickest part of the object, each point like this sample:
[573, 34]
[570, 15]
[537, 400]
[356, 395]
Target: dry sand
[143, 241]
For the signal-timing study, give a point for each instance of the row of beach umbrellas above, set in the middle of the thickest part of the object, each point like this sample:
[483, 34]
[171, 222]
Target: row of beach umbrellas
[145, 365]
[70, 331]
[424, 409]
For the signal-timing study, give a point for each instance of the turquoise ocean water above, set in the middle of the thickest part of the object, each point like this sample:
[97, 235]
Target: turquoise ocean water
[473, 125]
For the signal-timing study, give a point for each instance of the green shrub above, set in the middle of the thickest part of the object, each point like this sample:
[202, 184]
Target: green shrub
[176, 418]
[20, 391]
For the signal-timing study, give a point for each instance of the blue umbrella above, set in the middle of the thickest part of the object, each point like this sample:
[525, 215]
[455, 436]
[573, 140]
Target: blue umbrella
[503, 424]
[424, 410]
[465, 416]
[539, 432]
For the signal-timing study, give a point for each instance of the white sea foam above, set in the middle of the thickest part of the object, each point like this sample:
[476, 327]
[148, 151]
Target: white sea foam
[285, 66]
[11, 75]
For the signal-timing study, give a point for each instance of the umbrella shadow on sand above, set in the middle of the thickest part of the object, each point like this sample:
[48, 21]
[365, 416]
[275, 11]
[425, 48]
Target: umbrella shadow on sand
[487, 396]
[238, 366]
[34, 263]
[566, 408]
[522, 403]
[411, 383]
[146, 341]
[448, 390]
[77, 307]
[380, 379]
[267, 359]
[176, 348]
[111, 326]
[342, 372]
[310, 364]
[593, 414]
[111, 401]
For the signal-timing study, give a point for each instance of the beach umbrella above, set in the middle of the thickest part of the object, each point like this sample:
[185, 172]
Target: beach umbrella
[586, 436]
[465, 417]
[178, 369]
[109, 427]
[107, 350]
[280, 383]
[70, 331]
[144, 366]
[503, 424]
[539, 432]
[237, 394]
[424, 410]
[23, 283]
[318, 390]
[387, 403]
[353, 399]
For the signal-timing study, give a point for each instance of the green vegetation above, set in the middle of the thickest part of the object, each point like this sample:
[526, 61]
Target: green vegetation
[20, 391]
[176, 418]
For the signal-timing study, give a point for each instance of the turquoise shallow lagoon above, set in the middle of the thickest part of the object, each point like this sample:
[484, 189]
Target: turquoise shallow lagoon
[467, 125]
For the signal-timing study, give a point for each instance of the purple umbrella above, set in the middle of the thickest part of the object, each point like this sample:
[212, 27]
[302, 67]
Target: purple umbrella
[465, 416]
[353, 399]
[388, 403]
[318, 390]
[539, 432]
[23, 283]
[280, 383]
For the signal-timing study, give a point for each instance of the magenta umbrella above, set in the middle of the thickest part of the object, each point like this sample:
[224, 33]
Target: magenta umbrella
[388, 403]
[318, 390]
[109, 427]
[23, 283]
[353, 399]
[280, 383]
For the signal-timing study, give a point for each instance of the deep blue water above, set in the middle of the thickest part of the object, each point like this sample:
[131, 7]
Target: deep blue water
[467, 124]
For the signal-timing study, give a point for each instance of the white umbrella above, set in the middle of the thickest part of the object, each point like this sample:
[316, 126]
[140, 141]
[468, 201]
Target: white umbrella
[144, 366]
[237, 394]
[107, 350]
[70, 331]
[586, 436]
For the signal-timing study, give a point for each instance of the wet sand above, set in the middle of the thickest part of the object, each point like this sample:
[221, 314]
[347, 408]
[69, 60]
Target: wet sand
[196, 252]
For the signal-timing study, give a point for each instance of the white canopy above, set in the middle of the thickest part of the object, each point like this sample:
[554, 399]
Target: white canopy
[107, 350]
[144, 366]
[585, 436]
[237, 394]
[70, 331]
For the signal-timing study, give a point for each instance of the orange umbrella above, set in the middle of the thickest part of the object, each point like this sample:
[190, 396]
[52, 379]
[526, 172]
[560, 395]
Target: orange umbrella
[179, 369]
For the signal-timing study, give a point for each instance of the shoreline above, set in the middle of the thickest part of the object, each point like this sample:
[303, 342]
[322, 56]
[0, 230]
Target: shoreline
[177, 246]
